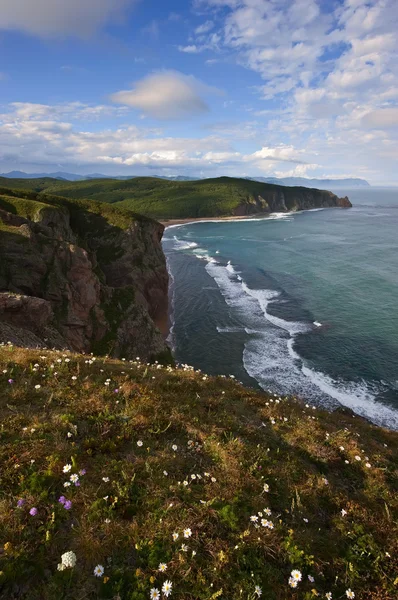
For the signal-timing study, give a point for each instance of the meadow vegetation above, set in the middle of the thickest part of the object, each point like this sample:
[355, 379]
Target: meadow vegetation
[130, 481]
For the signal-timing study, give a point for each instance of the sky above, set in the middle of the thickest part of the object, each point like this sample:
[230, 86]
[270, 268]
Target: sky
[200, 87]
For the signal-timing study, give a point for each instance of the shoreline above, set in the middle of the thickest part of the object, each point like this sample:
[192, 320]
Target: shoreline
[187, 221]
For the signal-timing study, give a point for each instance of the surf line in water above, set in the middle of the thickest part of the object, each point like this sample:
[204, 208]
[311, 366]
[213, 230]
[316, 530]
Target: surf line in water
[270, 358]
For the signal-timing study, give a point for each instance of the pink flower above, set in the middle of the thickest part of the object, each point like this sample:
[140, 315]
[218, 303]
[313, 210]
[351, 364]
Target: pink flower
[33, 511]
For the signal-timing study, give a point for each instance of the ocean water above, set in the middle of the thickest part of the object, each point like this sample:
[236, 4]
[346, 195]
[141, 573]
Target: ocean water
[303, 303]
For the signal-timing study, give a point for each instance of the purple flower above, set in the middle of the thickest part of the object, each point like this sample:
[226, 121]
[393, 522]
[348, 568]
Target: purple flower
[20, 502]
[68, 504]
[10, 381]
[33, 511]
[82, 472]
[116, 390]
[77, 483]
[62, 499]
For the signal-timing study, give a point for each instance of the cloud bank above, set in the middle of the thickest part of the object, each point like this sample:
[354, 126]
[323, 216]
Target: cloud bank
[49, 18]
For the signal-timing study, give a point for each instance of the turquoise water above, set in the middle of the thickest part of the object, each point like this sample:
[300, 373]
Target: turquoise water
[302, 303]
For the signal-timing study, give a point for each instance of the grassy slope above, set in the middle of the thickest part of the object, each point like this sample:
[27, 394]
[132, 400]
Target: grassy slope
[241, 438]
[28, 204]
[160, 198]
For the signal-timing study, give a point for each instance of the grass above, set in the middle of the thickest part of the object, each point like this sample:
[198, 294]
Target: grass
[88, 215]
[166, 450]
[160, 198]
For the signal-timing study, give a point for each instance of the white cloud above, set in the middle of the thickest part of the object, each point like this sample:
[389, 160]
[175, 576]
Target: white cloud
[60, 17]
[382, 118]
[204, 28]
[167, 95]
[192, 49]
[40, 135]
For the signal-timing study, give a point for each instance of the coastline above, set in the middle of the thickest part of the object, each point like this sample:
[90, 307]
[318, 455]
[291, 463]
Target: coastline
[179, 222]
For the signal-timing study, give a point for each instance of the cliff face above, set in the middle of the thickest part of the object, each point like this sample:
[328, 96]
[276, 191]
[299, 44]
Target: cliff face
[279, 199]
[81, 276]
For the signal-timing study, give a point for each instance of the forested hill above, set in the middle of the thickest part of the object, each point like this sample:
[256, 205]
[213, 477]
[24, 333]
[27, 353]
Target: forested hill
[163, 199]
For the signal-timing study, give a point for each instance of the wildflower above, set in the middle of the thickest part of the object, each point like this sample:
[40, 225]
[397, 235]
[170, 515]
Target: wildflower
[174, 447]
[162, 567]
[343, 512]
[175, 536]
[296, 575]
[67, 468]
[368, 465]
[154, 594]
[311, 579]
[193, 476]
[166, 588]
[349, 593]
[258, 590]
[74, 478]
[68, 505]
[82, 472]
[67, 484]
[69, 434]
[213, 480]
[292, 582]
[10, 381]
[328, 596]
[99, 571]
[184, 548]
[140, 443]
[266, 487]
[254, 518]
[165, 473]
[358, 458]
[37, 387]
[33, 511]
[187, 532]
[62, 500]
[20, 502]
[268, 512]
[68, 560]
[105, 479]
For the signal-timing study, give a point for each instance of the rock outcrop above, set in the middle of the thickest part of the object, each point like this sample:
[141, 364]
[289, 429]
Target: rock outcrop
[275, 198]
[82, 276]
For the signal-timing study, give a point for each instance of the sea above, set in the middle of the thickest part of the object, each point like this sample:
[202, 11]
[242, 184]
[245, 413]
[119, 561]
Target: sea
[299, 303]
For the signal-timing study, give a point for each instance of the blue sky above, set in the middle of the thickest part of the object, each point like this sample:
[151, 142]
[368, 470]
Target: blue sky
[208, 87]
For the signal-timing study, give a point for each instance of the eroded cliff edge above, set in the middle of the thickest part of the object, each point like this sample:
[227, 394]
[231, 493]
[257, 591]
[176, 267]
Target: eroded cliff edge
[275, 198]
[81, 275]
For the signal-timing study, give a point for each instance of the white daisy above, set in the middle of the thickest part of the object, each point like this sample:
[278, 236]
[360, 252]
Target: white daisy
[166, 588]
[99, 571]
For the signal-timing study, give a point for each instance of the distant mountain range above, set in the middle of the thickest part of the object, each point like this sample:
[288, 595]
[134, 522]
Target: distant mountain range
[287, 181]
[74, 177]
[313, 183]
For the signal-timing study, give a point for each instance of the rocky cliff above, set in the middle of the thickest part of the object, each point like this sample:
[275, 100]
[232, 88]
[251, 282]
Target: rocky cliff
[275, 198]
[81, 275]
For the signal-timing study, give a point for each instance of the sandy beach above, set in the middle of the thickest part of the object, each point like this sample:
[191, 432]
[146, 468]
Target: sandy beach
[171, 222]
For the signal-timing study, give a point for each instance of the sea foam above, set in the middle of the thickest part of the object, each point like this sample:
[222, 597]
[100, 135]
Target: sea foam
[270, 357]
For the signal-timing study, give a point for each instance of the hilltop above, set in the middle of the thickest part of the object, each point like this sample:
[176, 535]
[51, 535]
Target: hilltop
[163, 199]
[322, 183]
[136, 475]
[81, 275]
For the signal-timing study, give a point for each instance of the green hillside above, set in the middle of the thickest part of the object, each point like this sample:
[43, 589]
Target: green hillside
[165, 199]
[117, 476]
[26, 203]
